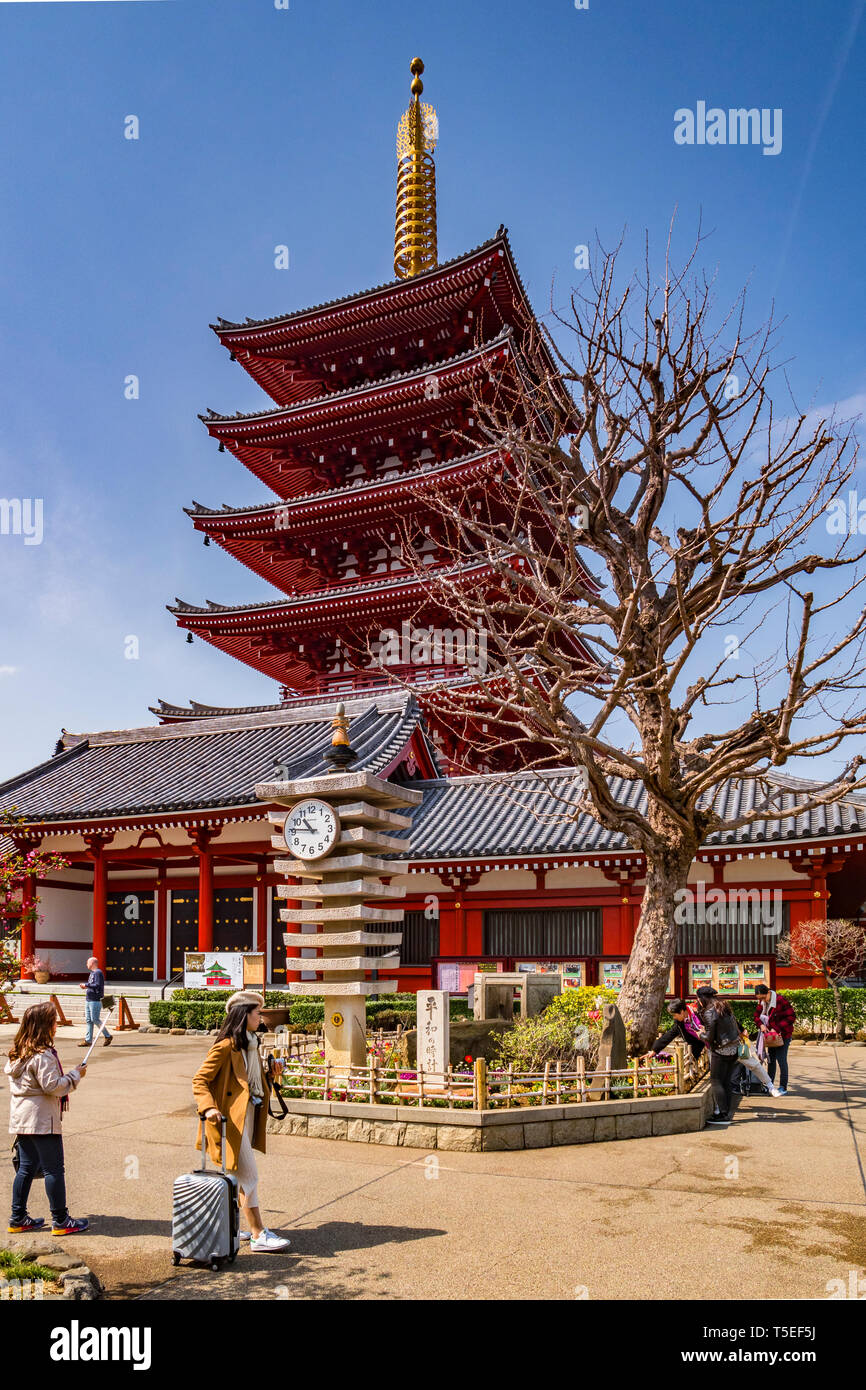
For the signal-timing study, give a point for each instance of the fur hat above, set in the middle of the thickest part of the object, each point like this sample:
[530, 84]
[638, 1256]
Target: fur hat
[246, 996]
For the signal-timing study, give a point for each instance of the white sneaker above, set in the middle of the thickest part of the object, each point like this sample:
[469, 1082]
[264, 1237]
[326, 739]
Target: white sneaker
[269, 1242]
[775, 1094]
[245, 1235]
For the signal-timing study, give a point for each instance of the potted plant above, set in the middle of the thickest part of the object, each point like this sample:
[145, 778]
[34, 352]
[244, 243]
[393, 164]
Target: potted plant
[39, 967]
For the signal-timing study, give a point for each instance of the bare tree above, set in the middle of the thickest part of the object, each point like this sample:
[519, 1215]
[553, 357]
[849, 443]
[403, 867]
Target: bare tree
[834, 948]
[638, 556]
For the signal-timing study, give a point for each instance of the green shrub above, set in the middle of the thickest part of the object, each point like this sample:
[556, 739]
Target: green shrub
[577, 1004]
[306, 1011]
[203, 1008]
[548, 1037]
[274, 998]
[389, 1018]
[16, 1266]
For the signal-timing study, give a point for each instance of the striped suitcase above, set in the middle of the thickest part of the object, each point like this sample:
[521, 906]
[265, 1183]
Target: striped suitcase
[205, 1223]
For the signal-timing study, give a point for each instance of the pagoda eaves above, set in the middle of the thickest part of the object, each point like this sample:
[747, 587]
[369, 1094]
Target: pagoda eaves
[330, 346]
[295, 449]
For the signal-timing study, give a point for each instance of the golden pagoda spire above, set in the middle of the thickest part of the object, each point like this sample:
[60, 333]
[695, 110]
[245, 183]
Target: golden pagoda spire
[415, 233]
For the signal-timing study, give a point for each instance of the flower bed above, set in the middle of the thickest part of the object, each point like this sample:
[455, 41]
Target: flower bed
[379, 1082]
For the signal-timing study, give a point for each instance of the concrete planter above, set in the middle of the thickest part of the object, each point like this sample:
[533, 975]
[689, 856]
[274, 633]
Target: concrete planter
[478, 1131]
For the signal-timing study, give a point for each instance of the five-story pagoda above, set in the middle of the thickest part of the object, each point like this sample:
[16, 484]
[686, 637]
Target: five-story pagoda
[373, 414]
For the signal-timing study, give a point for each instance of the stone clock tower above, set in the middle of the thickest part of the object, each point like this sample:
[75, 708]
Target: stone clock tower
[333, 828]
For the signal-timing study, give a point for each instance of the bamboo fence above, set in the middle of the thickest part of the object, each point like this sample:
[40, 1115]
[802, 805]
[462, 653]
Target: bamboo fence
[482, 1088]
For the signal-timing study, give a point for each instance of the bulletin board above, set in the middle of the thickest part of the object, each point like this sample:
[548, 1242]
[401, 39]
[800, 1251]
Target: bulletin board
[611, 974]
[728, 977]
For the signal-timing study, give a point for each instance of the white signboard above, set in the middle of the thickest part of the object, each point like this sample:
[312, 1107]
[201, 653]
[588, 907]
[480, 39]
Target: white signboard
[223, 970]
[433, 1031]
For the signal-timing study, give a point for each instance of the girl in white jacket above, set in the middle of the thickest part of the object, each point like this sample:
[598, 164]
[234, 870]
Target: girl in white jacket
[40, 1093]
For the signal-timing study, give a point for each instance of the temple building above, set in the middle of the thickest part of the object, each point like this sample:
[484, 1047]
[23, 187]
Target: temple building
[371, 401]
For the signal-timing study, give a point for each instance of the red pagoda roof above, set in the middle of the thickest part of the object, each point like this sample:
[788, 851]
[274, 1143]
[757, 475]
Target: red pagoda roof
[291, 639]
[273, 539]
[304, 354]
[281, 446]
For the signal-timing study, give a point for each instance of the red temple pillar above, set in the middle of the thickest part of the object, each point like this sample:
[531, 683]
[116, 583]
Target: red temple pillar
[205, 900]
[161, 898]
[28, 924]
[100, 908]
[261, 928]
[96, 846]
[460, 924]
[201, 838]
[292, 952]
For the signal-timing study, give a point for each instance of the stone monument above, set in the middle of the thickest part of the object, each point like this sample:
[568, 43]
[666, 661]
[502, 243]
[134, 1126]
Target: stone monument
[494, 994]
[433, 1034]
[540, 989]
[333, 825]
[612, 1050]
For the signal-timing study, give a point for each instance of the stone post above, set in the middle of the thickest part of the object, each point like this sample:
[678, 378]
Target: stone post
[434, 1026]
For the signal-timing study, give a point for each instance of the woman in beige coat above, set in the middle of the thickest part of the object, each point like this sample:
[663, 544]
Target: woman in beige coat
[231, 1083]
[40, 1093]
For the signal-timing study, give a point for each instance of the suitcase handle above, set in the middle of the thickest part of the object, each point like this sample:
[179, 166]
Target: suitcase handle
[204, 1143]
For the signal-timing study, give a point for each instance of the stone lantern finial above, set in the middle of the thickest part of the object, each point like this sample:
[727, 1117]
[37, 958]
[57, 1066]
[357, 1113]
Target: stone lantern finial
[341, 755]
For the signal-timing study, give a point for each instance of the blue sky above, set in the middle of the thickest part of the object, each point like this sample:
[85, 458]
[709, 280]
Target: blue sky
[261, 127]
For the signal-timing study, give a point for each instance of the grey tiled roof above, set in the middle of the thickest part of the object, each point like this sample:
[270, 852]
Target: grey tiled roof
[181, 767]
[473, 817]
[194, 710]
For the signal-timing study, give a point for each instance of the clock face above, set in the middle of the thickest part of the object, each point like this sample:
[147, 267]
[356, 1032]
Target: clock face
[311, 829]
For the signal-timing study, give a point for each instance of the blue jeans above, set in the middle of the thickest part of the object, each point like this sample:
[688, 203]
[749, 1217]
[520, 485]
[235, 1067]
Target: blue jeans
[92, 1011]
[37, 1151]
[770, 1057]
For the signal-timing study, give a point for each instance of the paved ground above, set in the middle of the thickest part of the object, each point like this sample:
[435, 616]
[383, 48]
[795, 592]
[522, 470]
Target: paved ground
[777, 1202]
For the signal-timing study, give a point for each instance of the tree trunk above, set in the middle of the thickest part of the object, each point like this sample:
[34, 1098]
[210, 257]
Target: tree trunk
[652, 954]
[840, 1007]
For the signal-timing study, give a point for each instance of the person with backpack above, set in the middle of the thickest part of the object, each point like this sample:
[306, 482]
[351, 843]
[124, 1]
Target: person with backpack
[39, 1095]
[774, 1019]
[722, 1039]
[232, 1083]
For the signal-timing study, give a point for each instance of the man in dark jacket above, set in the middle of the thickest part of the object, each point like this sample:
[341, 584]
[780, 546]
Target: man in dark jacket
[94, 991]
[775, 1014]
[686, 1026]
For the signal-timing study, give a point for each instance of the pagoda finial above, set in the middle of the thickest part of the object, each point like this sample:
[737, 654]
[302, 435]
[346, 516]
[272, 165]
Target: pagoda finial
[415, 247]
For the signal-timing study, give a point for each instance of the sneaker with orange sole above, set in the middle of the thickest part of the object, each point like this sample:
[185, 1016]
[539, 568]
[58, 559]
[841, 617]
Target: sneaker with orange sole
[70, 1227]
[25, 1227]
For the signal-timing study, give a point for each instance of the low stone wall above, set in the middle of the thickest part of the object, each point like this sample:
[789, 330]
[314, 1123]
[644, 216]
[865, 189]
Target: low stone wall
[476, 1131]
